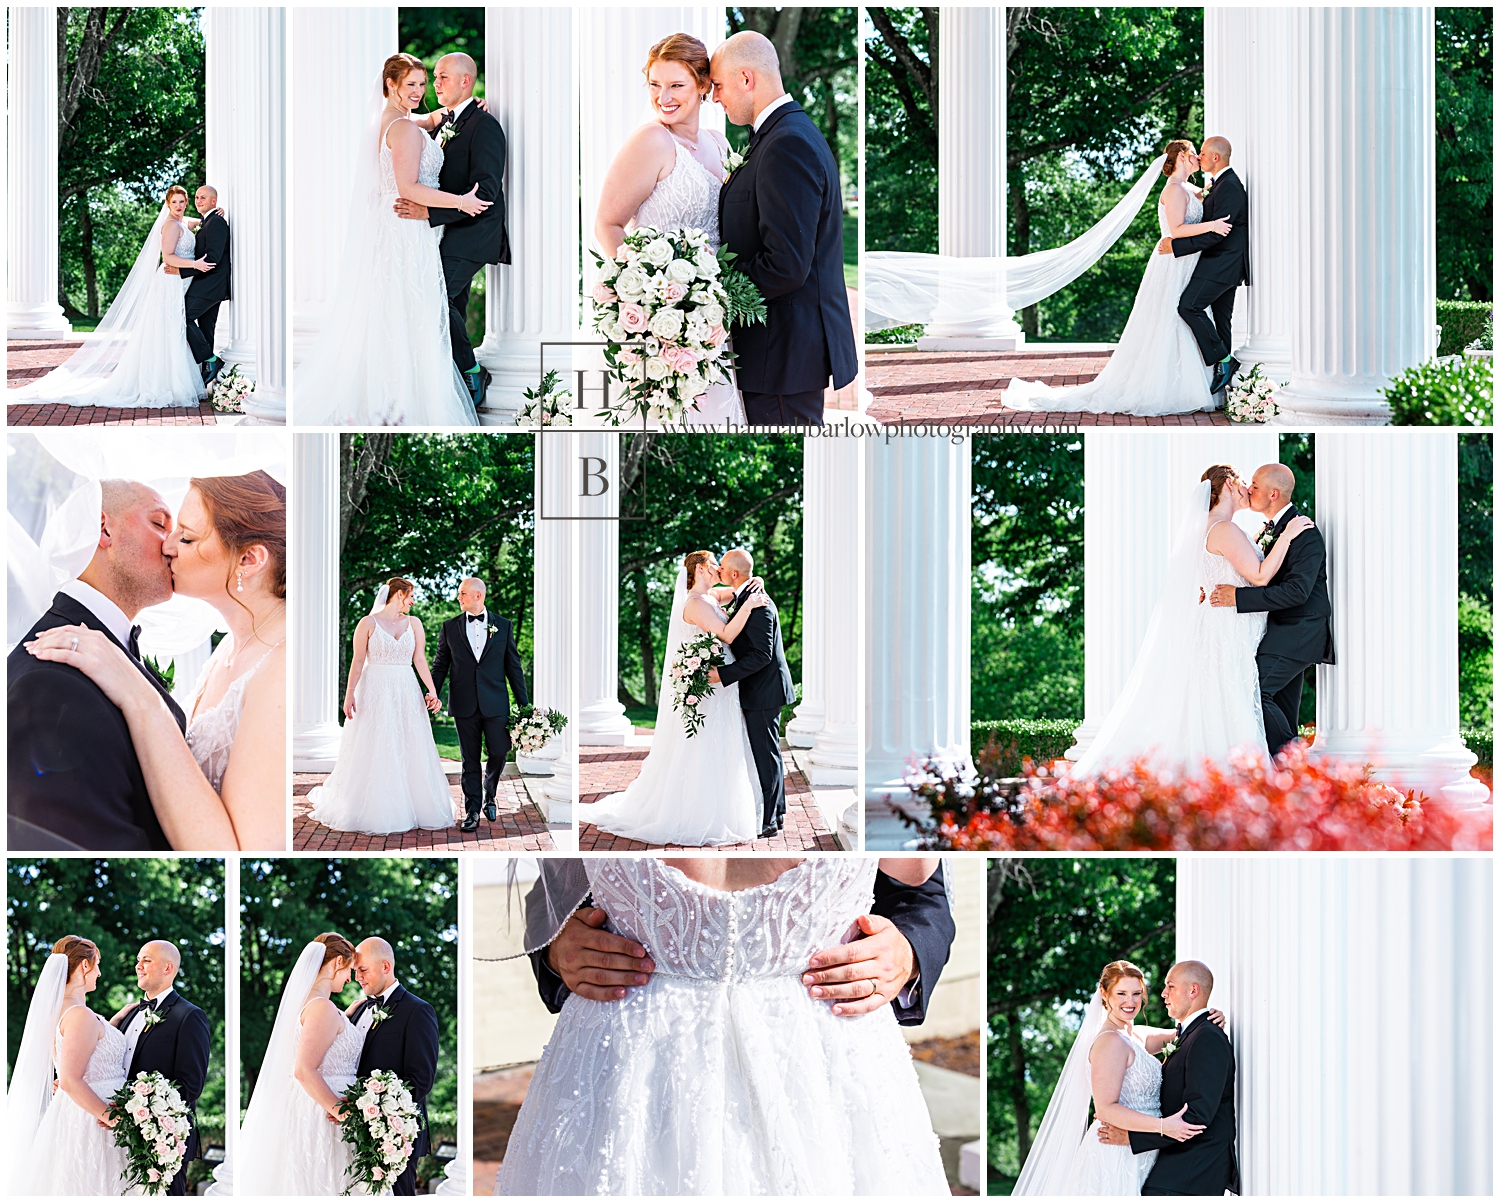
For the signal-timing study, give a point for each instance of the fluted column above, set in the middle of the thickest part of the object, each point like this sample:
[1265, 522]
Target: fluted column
[971, 163]
[818, 516]
[1245, 99]
[918, 500]
[1392, 697]
[245, 118]
[336, 52]
[1379, 1082]
[555, 559]
[314, 597]
[838, 638]
[1363, 112]
[529, 52]
[601, 715]
[32, 310]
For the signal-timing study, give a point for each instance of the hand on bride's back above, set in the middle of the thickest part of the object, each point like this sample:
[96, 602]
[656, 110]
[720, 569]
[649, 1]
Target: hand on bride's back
[470, 203]
[1178, 1128]
[595, 963]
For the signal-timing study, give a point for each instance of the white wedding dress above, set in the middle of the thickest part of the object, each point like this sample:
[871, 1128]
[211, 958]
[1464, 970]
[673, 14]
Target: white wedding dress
[688, 198]
[1101, 1169]
[694, 792]
[721, 1076]
[313, 1158]
[210, 733]
[72, 1154]
[1156, 368]
[388, 777]
[384, 357]
[139, 355]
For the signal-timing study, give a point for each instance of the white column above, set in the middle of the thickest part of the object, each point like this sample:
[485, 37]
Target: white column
[1363, 112]
[1380, 1082]
[336, 58]
[837, 747]
[917, 548]
[315, 602]
[1392, 696]
[820, 522]
[33, 311]
[555, 599]
[601, 716]
[1246, 100]
[971, 164]
[534, 298]
[246, 118]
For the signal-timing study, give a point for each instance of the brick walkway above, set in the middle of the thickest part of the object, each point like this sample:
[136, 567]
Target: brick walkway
[519, 826]
[27, 360]
[604, 771]
[963, 387]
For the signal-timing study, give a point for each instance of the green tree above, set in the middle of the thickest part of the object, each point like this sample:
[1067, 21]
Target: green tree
[1465, 152]
[430, 33]
[901, 116]
[1476, 598]
[120, 904]
[410, 901]
[1052, 926]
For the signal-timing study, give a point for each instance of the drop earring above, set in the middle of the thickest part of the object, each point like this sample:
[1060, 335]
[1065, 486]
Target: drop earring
[240, 582]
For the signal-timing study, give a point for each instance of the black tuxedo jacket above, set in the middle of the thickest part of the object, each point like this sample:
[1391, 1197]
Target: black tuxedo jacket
[213, 245]
[474, 155]
[406, 1044]
[73, 779]
[920, 913]
[479, 685]
[1224, 259]
[759, 661]
[782, 215]
[1201, 1074]
[177, 1048]
[1299, 616]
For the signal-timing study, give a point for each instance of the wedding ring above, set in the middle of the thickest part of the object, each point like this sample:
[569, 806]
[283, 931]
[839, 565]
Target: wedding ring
[75, 643]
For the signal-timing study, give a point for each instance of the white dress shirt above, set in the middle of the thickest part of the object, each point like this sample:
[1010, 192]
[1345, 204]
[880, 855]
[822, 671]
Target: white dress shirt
[477, 632]
[137, 1024]
[100, 607]
[760, 117]
[1275, 518]
[367, 1020]
[1189, 1021]
[457, 110]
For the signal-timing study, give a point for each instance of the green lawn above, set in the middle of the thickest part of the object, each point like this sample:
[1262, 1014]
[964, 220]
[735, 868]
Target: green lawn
[445, 735]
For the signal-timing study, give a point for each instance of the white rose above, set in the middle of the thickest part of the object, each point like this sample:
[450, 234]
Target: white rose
[708, 264]
[657, 368]
[712, 313]
[666, 323]
[690, 386]
[682, 271]
[631, 284]
[657, 252]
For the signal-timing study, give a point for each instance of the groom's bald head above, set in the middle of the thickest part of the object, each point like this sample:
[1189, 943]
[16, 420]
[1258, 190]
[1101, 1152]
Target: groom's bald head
[374, 964]
[736, 566]
[453, 79]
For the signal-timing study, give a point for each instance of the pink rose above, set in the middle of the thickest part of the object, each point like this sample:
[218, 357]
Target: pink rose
[690, 700]
[717, 335]
[154, 1175]
[633, 318]
[371, 1111]
[676, 291]
[604, 294]
[629, 357]
[377, 1173]
[681, 358]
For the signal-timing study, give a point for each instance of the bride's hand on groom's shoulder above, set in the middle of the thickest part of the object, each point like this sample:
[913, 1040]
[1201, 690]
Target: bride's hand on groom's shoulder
[1297, 525]
[1217, 1018]
[98, 657]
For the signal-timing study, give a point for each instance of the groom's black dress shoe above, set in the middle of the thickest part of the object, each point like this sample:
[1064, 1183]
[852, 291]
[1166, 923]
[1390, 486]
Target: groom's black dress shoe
[490, 810]
[470, 823]
[1224, 372]
[481, 387]
[771, 829]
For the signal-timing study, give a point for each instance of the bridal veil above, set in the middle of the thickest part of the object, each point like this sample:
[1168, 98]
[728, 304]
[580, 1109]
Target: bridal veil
[30, 1092]
[1049, 1164]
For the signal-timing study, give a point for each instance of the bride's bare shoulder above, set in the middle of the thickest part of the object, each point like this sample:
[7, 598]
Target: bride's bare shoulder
[402, 131]
[650, 141]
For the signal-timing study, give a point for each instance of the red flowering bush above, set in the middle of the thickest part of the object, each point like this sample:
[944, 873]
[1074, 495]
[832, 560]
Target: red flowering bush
[1295, 805]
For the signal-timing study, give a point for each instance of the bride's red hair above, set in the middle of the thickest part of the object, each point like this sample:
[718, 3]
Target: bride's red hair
[1175, 150]
[1116, 970]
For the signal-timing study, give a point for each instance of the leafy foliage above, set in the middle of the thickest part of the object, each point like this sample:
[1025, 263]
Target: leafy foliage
[410, 901]
[1476, 599]
[121, 904]
[1465, 152]
[430, 33]
[901, 147]
[1463, 323]
[1457, 392]
[1003, 746]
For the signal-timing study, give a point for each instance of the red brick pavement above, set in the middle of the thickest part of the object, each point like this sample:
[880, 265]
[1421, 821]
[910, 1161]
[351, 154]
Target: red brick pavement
[604, 771]
[26, 361]
[519, 826]
[963, 387]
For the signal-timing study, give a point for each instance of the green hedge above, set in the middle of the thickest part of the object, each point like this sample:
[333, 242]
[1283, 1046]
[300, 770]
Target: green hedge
[1480, 741]
[1463, 323]
[1001, 745]
[896, 334]
[1460, 392]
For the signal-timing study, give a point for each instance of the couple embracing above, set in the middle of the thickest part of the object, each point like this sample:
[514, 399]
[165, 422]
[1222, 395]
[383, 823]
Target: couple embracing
[738, 744]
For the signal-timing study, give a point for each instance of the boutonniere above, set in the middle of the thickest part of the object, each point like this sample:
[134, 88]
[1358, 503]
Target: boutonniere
[446, 131]
[733, 161]
[1208, 185]
[1266, 539]
[153, 1017]
[1168, 1050]
[378, 1014]
[493, 630]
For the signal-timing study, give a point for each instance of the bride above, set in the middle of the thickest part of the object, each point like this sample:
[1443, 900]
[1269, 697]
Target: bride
[221, 785]
[139, 354]
[384, 357]
[722, 1075]
[289, 1140]
[1194, 693]
[702, 790]
[1113, 1062]
[388, 776]
[1157, 367]
[668, 175]
[61, 1143]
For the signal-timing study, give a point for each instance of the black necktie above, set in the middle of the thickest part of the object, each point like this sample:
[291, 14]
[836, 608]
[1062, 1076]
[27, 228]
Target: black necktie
[133, 645]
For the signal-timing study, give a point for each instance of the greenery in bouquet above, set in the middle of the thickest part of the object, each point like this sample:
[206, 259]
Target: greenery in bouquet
[1252, 397]
[690, 683]
[229, 389]
[546, 405]
[153, 1130]
[380, 1125]
[533, 728]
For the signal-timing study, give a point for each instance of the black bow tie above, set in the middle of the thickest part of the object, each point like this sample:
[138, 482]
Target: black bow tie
[1179, 1029]
[133, 644]
[476, 617]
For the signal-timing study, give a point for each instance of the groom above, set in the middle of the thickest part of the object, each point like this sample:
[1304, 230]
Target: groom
[1199, 1072]
[401, 1035]
[166, 1034]
[473, 153]
[1223, 263]
[781, 213]
[765, 685]
[478, 651]
[1299, 617]
[74, 782]
[209, 289]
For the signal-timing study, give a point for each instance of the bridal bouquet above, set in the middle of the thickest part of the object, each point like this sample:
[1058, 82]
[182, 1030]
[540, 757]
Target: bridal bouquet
[664, 304]
[229, 389]
[381, 1124]
[1252, 398]
[153, 1130]
[690, 683]
[533, 728]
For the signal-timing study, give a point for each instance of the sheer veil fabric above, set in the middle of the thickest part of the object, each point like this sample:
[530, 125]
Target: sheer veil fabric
[1049, 1165]
[30, 1091]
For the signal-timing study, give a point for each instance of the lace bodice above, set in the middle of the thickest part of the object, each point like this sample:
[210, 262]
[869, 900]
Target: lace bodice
[723, 617]
[342, 1058]
[1217, 570]
[187, 243]
[687, 199]
[1141, 1089]
[210, 734]
[427, 170]
[106, 1067]
[386, 649]
[1192, 217]
[694, 931]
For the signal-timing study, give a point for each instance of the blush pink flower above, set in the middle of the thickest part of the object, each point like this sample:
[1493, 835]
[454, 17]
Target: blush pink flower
[604, 294]
[681, 358]
[633, 318]
[717, 335]
[676, 291]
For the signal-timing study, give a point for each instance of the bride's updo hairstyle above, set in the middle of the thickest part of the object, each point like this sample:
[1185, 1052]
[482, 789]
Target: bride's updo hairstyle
[1175, 150]
[398, 585]
[78, 951]
[244, 511]
[335, 947]
[691, 563]
[175, 190]
[1219, 476]
[397, 68]
[1116, 970]
[685, 49]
